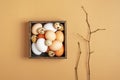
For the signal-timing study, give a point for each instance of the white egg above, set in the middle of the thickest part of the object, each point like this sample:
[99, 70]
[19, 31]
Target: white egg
[50, 26]
[35, 50]
[40, 44]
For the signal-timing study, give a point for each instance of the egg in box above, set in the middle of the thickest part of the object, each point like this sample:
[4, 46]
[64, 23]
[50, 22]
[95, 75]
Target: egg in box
[47, 38]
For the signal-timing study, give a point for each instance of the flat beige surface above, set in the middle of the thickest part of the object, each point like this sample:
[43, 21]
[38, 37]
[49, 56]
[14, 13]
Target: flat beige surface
[14, 14]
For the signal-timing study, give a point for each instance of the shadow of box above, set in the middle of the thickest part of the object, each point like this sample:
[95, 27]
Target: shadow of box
[45, 54]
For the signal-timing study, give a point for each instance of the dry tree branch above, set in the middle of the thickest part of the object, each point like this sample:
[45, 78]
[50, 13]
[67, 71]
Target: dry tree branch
[91, 52]
[97, 30]
[88, 44]
[76, 66]
[87, 61]
[82, 37]
[87, 19]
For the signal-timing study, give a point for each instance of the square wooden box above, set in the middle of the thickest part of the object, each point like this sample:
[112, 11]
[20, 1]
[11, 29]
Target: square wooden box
[45, 54]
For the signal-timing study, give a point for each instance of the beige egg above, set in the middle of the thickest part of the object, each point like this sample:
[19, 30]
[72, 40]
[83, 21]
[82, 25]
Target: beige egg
[48, 42]
[60, 36]
[50, 35]
[35, 28]
[56, 45]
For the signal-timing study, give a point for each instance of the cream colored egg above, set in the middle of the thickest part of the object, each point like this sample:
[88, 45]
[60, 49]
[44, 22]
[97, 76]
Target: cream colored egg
[60, 36]
[50, 35]
[35, 50]
[35, 28]
[49, 26]
[48, 42]
[56, 45]
[40, 44]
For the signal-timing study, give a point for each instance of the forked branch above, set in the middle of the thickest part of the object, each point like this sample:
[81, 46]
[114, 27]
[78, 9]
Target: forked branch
[97, 30]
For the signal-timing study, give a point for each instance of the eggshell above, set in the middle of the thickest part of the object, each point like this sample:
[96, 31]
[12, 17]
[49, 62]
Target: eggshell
[51, 53]
[57, 25]
[49, 26]
[41, 30]
[41, 36]
[60, 52]
[35, 28]
[60, 36]
[56, 45]
[48, 42]
[35, 50]
[50, 35]
[34, 38]
[41, 45]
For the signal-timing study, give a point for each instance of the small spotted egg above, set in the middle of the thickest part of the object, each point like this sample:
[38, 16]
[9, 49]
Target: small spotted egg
[40, 44]
[51, 53]
[35, 50]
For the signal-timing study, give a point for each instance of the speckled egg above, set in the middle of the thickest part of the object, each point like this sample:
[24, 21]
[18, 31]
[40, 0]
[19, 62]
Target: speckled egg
[50, 35]
[56, 45]
[35, 28]
[60, 51]
[34, 38]
[49, 26]
[40, 44]
[41, 30]
[35, 50]
[60, 36]
[51, 53]
[58, 26]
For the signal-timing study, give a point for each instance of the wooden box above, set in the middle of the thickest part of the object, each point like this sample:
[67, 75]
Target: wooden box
[48, 41]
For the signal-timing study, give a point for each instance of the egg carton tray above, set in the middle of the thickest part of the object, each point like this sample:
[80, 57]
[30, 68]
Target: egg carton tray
[48, 39]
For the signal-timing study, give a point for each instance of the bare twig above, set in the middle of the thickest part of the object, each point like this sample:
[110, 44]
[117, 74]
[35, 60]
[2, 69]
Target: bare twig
[97, 30]
[91, 52]
[82, 37]
[76, 66]
[88, 43]
[87, 18]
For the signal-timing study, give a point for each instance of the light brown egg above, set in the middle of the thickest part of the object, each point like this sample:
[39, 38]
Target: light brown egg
[60, 51]
[35, 28]
[60, 36]
[56, 45]
[50, 35]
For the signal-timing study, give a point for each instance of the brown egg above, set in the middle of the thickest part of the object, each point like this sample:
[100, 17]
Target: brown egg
[56, 45]
[60, 51]
[60, 36]
[41, 36]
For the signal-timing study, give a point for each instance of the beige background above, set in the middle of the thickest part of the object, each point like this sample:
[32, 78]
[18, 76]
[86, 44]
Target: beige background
[14, 63]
